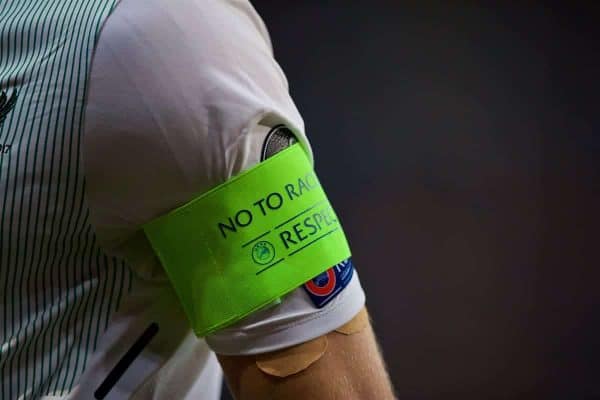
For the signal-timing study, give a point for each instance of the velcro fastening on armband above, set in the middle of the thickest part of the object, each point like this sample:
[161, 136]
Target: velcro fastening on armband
[249, 241]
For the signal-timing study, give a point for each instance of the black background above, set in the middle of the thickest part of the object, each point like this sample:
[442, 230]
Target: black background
[460, 146]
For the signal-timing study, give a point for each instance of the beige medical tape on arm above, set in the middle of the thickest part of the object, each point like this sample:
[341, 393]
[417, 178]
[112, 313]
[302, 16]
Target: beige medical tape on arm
[297, 358]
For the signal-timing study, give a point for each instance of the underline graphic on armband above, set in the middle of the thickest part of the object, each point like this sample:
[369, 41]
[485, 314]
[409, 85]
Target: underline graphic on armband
[255, 239]
[299, 214]
[269, 266]
[283, 223]
[297, 250]
[309, 243]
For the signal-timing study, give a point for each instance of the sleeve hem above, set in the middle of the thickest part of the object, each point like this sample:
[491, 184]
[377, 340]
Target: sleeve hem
[300, 331]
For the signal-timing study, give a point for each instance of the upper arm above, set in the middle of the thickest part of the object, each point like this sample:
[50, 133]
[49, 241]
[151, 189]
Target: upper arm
[182, 97]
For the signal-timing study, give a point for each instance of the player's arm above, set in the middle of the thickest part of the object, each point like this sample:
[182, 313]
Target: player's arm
[214, 105]
[350, 367]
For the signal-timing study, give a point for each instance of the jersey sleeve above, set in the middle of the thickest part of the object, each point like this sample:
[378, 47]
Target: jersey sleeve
[181, 99]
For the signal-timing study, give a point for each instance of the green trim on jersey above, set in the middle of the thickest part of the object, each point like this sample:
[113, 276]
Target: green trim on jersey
[57, 288]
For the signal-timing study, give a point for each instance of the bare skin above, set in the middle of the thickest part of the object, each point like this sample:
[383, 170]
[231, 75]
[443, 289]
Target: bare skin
[351, 368]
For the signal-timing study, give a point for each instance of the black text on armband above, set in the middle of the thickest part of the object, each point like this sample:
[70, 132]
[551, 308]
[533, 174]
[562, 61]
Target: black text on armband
[268, 203]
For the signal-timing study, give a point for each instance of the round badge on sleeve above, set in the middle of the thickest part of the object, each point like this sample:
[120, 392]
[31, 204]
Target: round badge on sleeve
[323, 284]
[280, 137]
[326, 286]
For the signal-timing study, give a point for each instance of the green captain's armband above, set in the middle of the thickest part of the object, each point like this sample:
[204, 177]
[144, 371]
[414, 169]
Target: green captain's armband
[248, 241]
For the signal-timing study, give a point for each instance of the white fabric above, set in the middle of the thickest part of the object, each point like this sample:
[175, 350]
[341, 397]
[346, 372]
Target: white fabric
[182, 95]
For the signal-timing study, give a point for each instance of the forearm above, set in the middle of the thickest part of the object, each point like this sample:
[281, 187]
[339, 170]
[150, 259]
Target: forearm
[350, 368]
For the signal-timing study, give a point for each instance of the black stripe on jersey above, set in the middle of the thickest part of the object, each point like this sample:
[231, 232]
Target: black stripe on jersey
[125, 362]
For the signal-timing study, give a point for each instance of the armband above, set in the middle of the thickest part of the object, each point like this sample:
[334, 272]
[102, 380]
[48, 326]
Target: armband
[249, 241]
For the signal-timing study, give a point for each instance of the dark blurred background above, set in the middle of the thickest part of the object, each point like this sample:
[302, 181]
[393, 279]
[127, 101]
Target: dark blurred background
[460, 145]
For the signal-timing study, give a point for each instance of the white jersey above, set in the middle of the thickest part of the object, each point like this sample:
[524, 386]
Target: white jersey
[115, 113]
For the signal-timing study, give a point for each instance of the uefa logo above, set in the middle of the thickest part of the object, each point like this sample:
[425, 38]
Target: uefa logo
[263, 252]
